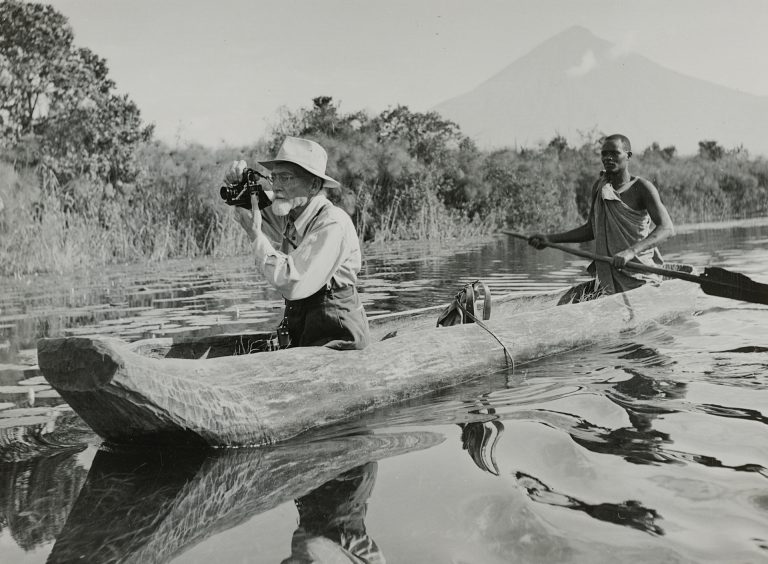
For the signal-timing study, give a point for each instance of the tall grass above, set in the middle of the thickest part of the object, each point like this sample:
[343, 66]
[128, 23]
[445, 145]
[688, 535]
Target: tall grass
[435, 221]
[174, 211]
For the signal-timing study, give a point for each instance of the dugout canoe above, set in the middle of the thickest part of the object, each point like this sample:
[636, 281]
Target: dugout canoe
[139, 393]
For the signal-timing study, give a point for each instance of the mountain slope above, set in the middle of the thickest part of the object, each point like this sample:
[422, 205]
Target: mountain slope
[576, 82]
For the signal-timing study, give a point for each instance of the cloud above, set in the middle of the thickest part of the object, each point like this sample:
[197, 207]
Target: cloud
[626, 45]
[588, 62]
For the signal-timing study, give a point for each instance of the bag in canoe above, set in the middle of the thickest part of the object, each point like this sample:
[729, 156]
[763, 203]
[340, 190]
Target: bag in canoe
[464, 307]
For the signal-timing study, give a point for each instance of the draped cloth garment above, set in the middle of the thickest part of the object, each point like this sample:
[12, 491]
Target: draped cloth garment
[616, 227]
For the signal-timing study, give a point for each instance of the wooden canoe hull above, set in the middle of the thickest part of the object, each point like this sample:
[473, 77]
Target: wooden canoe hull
[263, 398]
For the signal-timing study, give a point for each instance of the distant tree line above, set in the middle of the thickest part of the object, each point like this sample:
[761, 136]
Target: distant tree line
[83, 181]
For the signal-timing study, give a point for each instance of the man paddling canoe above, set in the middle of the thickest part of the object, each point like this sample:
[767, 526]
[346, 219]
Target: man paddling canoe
[316, 265]
[623, 207]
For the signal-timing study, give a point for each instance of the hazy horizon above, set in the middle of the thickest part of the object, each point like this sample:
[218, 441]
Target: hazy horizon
[218, 74]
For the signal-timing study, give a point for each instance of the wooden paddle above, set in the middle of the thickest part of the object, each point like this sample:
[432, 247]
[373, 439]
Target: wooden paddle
[715, 281]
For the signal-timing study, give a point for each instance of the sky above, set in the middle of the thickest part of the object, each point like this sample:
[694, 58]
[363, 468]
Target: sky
[218, 72]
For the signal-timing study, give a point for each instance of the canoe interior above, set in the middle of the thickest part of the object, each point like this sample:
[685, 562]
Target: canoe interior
[235, 344]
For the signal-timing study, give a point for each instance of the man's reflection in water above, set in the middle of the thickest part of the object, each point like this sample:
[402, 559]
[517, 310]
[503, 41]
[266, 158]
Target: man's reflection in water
[629, 513]
[331, 521]
[643, 397]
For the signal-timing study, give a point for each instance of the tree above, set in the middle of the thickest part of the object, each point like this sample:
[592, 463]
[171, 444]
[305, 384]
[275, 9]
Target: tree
[667, 153]
[558, 143]
[323, 119]
[710, 150]
[429, 136]
[60, 98]
[34, 41]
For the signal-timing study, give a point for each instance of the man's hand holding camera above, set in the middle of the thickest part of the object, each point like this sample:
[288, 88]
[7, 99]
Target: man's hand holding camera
[250, 219]
[234, 174]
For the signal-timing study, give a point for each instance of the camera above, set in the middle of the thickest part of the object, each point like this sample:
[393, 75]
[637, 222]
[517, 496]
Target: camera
[240, 193]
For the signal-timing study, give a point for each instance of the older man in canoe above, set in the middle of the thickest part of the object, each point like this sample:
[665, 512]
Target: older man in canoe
[623, 207]
[307, 248]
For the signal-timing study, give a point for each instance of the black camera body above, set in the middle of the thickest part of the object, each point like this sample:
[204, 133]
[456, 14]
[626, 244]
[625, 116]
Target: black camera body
[240, 194]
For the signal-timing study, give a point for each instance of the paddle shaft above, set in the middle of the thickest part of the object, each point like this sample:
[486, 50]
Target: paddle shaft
[630, 265]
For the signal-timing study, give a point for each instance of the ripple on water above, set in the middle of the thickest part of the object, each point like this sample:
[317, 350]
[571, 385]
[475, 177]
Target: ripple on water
[647, 448]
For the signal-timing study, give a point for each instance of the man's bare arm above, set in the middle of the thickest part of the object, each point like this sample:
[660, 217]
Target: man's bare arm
[659, 215]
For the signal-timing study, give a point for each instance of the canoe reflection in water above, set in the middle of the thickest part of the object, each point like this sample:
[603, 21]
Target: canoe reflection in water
[37, 494]
[152, 506]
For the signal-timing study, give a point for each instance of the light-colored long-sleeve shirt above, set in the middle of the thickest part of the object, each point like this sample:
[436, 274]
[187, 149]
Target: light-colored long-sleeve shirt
[327, 248]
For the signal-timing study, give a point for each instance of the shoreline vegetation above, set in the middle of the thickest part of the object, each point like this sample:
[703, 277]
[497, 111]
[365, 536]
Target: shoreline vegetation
[84, 183]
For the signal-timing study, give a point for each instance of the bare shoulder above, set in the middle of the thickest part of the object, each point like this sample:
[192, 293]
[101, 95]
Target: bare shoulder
[644, 183]
[646, 188]
[647, 196]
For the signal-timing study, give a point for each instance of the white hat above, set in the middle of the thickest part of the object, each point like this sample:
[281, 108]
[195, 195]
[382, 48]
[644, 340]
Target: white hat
[305, 153]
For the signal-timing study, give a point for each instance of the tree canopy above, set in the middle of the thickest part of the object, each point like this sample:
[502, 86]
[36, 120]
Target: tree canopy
[58, 106]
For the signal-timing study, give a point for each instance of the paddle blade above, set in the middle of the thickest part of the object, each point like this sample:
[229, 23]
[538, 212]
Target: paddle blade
[734, 285]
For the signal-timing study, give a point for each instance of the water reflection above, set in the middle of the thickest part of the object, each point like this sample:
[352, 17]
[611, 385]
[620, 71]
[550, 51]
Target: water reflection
[469, 405]
[153, 505]
[134, 300]
[629, 513]
[479, 439]
[649, 393]
[36, 495]
[332, 521]
[665, 432]
[643, 398]
[28, 433]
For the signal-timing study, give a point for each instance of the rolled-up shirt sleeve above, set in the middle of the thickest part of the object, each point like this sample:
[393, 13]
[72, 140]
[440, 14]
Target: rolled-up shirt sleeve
[307, 268]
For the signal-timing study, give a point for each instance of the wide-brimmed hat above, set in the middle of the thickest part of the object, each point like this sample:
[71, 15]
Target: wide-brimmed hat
[307, 154]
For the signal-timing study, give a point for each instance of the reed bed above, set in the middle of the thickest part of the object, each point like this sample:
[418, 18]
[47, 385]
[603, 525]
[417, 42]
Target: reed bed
[174, 210]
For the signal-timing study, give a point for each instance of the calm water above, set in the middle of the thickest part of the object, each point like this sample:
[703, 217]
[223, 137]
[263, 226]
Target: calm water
[644, 449]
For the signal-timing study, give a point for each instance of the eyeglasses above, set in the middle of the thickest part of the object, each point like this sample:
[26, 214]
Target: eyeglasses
[283, 178]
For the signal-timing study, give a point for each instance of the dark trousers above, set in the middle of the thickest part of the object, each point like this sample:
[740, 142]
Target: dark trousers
[332, 317]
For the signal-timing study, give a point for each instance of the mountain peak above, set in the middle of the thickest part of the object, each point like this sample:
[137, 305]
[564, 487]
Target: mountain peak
[576, 35]
[574, 51]
[572, 46]
[575, 81]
